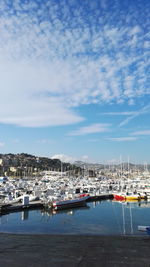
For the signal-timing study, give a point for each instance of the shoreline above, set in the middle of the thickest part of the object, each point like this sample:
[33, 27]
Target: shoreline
[73, 250]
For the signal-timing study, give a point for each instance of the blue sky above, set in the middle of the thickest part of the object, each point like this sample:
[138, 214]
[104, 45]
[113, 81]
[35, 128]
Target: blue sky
[74, 79]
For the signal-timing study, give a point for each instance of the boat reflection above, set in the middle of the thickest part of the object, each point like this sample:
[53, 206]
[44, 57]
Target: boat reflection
[99, 218]
[140, 203]
[144, 203]
[128, 224]
[70, 211]
[24, 215]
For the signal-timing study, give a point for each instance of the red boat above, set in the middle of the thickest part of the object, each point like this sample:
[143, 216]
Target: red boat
[120, 197]
[84, 195]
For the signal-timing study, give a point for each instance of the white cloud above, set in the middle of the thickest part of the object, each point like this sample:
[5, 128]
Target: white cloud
[24, 101]
[85, 158]
[64, 158]
[112, 161]
[144, 110]
[143, 132]
[122, 139]
[131, 102]
[93, 128]
[147, 44]
[135, 30]
[47, 67]
[70, 159]
[124, 113]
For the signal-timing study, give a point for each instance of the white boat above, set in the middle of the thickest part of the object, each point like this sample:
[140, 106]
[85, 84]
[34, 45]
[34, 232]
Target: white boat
[69, 203]
[144, 229]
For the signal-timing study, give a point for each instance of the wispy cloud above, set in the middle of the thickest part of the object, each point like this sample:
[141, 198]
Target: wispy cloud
[125, 113]
[54, 56]
[91, 129]
[122, 139]
[144, 110]
[67, 158]
[143, 132]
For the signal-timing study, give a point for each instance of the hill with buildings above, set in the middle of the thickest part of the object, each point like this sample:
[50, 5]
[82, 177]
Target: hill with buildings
[20, 165]
[25, 165]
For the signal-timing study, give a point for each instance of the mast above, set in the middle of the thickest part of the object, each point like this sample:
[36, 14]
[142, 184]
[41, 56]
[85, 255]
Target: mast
[128, 165]
[120, 166]
[61, 169]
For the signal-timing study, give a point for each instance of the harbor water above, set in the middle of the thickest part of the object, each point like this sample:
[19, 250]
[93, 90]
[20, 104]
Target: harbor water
[96, 218]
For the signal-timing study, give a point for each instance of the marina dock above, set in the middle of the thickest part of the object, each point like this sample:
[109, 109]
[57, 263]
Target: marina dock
[38, 204]
[6, 208]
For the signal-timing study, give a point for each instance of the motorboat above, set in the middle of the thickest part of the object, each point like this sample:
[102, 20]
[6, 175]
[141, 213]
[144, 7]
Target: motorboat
[127, 196]
[144, 229]
[69, 203]
[119, 196]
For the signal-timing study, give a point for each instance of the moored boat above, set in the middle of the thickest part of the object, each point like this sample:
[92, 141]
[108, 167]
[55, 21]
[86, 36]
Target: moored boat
[119, 196]
[143, 195]
[132, 196]
[127, 196]
[144, 229]
[84, 195]
[69, 203]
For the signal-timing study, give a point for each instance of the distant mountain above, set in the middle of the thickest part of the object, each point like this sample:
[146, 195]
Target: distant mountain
[124, 166]
[18, 164]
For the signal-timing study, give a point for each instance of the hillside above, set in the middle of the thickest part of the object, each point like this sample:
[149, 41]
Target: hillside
[20, 163]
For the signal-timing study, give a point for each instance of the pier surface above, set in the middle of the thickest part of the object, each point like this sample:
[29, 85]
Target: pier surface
[73, 250]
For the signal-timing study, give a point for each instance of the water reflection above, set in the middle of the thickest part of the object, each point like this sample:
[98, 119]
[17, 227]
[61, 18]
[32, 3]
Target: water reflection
[135, 203]
[25, 215]
[70, 211]
[98, 218]
[130, 210]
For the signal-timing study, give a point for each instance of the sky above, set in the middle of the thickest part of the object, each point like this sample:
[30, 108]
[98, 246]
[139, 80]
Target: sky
[75, 79]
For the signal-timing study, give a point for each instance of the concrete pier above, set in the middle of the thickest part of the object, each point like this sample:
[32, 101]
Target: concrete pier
[73, 250]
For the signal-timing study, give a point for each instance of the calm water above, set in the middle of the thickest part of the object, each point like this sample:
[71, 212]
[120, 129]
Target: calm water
[101, 218]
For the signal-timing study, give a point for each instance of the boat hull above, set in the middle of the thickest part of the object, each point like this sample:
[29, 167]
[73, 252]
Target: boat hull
[119, 197]
[71, 203]
[133, 198]
[125, 197]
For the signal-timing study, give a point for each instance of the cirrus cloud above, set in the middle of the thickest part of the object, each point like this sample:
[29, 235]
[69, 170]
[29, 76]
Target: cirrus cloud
[92, 129]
